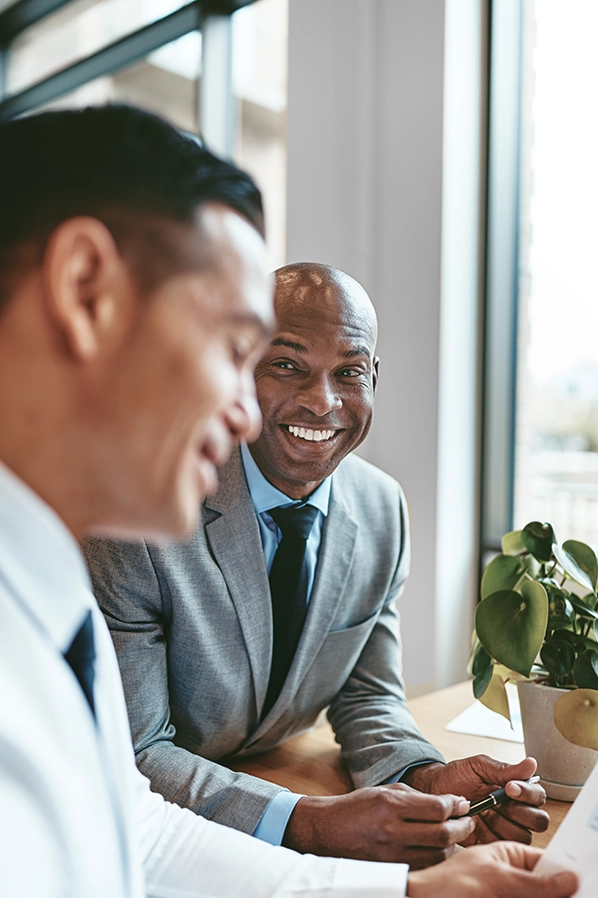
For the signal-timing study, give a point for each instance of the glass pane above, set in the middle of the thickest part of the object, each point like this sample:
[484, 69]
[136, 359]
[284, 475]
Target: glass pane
[557, 392]
[77, 30]
[260, 53]
[165, 82]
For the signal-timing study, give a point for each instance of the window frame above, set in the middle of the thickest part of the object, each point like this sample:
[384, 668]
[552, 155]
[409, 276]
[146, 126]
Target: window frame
[502, 274]
[112, 58]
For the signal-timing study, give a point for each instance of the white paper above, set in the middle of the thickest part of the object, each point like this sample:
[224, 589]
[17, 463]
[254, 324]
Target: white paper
[574, 846]
[478, 720]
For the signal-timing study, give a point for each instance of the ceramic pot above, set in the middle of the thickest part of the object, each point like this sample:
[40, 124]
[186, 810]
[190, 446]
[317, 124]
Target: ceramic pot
[563, 767]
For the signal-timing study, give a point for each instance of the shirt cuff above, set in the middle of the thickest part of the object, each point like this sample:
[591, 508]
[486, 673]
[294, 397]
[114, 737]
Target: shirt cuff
[399, 776]
[276, 816]
[375, 879]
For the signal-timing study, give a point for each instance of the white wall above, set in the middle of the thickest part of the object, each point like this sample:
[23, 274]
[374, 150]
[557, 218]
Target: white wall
[370, 82]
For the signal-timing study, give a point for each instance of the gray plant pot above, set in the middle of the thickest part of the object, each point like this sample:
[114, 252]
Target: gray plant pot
[563, 767]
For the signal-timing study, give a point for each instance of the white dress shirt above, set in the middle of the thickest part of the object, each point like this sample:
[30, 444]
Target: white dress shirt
[77, 819]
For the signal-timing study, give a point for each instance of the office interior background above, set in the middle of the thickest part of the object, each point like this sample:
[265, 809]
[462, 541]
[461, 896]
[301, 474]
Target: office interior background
[443, 153]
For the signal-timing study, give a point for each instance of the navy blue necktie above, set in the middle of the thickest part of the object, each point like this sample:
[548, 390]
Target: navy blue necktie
[81, 656]
[288, 589]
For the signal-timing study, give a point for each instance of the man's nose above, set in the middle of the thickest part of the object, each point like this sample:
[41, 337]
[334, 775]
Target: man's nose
[319, 395]
[244, 417]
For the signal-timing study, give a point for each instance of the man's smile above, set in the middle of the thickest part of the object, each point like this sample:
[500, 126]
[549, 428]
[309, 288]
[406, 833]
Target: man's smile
[310, 434]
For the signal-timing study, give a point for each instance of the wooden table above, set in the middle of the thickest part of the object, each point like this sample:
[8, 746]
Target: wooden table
[311, 763]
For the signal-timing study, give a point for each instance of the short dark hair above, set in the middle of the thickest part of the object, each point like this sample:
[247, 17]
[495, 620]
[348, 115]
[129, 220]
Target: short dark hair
[117, 163]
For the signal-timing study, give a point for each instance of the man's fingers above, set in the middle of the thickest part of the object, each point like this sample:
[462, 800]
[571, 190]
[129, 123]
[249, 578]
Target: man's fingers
[522, 883]
[439, 835]
[502, 773]
[523, 856]
[560, 886]
[420, 858]
[492, 826]
[524, 815]
[414, 805]
[526, 793]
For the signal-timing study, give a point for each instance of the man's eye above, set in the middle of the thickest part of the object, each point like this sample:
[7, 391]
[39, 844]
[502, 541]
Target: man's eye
[350, 372]
[285, 366]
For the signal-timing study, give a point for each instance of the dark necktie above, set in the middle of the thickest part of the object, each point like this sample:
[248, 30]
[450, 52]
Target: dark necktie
[288, 589]
[80, 656]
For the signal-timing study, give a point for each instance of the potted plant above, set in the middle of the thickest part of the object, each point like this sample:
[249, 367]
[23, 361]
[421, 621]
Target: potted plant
[537, 625]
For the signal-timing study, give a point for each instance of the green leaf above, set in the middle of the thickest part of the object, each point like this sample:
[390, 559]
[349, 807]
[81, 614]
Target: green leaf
[582, 608]
[576, 717]
[558, 657]
[505, 673]
[532, 566]
[538, 539]
[560, 611]
[596, 629]
[495, 697]
[585, 559]
[481, 681]
[585, 670]
[512, 544]
[580, 643]
[481, 661]
[503, 572]
[511, 626]
[579, 563]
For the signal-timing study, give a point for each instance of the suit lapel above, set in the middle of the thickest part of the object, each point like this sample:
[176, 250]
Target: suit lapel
[334, 563]
[234, 537]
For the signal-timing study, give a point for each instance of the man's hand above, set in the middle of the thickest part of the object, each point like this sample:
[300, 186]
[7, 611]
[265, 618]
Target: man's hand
[383, 823]
[475, 778]
[500, 870]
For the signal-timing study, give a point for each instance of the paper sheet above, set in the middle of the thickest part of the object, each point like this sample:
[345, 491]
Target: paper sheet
[478, 720]
[574, 846]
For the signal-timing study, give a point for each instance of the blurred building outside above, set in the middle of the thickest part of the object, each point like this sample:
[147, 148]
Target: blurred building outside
[167, 81]
[556, 452]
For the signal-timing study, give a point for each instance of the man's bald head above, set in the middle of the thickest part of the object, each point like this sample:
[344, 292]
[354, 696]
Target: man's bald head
[322, 287]
[316, 382]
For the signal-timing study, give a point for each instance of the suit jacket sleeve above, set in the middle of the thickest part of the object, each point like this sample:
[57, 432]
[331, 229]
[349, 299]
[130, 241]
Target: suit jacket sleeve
[136, 610]
[377, 732]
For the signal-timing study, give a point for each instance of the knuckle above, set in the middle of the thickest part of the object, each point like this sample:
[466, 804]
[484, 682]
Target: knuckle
[445, 836]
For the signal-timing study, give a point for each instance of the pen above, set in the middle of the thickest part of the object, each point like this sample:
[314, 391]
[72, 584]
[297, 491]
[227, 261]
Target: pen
[493, 800]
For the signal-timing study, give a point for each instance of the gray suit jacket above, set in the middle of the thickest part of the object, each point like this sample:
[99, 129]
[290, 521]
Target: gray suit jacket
[192, 627]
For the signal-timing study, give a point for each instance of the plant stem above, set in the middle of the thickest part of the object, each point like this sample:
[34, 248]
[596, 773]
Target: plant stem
[550, 572]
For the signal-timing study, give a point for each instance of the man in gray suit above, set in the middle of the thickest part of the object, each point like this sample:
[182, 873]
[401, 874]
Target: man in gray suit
[199, 639]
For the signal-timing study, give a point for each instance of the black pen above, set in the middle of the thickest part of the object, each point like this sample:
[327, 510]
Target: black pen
[494, 799]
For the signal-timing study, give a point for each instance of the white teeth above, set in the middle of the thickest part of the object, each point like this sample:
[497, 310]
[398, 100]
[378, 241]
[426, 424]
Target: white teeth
[312, 435]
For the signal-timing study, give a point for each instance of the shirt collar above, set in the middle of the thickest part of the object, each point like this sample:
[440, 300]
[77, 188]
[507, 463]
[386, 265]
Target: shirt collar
[40, 561]
[265, 496]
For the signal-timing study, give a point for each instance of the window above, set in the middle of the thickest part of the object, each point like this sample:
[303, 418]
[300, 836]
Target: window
[149, 53]
[556, 460]
[75, 31]
[541, 384]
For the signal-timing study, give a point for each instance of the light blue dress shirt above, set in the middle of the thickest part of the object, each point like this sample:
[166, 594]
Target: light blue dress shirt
[264, 496]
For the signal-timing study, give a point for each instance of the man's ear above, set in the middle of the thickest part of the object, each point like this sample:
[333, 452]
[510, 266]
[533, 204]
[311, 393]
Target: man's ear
[84, 276]
[375, 372]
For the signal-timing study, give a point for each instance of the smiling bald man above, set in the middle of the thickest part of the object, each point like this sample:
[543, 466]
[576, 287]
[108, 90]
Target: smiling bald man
[214, 668]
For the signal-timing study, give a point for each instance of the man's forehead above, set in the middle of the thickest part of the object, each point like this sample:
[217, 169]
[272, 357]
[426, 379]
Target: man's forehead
[344, 343]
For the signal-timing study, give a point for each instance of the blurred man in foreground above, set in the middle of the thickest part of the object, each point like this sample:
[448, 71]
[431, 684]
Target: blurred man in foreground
[134, 301]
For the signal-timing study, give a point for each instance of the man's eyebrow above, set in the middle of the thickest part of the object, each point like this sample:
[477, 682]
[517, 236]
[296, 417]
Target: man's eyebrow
[359, 350]
[290, 344]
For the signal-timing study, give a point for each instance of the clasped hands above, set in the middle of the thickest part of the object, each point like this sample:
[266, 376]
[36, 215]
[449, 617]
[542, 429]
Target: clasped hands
[420, 823]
